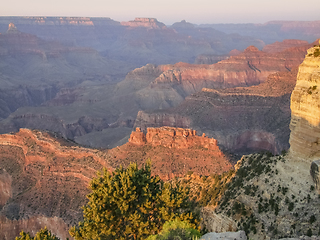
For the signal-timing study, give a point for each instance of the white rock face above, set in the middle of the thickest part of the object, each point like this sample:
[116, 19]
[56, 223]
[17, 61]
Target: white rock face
[240, 235]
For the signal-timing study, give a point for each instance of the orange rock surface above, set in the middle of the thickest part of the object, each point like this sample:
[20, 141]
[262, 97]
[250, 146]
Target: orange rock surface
[174, 152]
[172, 138]
[43, 178]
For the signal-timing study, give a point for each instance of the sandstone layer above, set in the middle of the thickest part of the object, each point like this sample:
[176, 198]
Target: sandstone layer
[242, 119]
[305, 120]
[43, 181]
[174, 152]
[172, 138]
[44, 178]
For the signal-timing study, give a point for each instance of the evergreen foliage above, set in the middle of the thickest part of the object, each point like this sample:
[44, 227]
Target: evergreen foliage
[43, 234]
[176, 230]
[131, 204]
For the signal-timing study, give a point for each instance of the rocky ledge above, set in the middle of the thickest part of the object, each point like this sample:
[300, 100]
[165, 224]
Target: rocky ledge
[172, 137]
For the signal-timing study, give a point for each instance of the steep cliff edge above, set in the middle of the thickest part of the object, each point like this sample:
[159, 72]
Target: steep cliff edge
[305, 108]
[275, 196]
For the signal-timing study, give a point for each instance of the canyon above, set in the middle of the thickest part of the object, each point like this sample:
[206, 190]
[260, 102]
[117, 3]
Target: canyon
[280, 192]
[92, 80]
[242, 119]
[73, 111]
[44, 178]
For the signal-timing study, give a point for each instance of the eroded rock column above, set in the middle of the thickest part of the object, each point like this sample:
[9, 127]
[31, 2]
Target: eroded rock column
[305, 110]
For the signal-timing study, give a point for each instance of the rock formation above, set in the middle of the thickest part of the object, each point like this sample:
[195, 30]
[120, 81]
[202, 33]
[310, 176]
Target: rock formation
[174, 152]
[172, 138]
[278, 191]
[241, 119]
[151, 23]
[43, 180]
[240, 235]
[305, 109]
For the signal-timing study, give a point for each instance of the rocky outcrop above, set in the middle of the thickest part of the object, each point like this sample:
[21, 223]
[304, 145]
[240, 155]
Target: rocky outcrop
[172, 138]
[151, 23]
[217, 223]
[240, 235]
[137, 137]
[174, 152]
[305, 110]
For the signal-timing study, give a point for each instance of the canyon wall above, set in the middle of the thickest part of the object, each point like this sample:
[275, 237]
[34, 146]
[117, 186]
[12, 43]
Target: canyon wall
[43, 181]
[172, 138]
[242, 119]
[174, 152]
[305, 120]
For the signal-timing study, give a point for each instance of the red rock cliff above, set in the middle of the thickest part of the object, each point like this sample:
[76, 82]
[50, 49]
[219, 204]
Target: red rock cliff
[172, 138]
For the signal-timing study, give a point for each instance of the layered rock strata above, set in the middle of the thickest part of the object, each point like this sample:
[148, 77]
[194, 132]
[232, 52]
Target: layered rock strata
[305, 109]
[174, 152]
[43, 180]
[241, 119]
[172, 138]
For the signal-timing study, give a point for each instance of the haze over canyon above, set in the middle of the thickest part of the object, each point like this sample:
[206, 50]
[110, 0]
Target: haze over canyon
[78, 94]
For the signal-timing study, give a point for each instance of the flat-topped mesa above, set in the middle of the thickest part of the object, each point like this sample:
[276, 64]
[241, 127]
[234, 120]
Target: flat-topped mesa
[172, 138]
[305, 109]
[145, 22]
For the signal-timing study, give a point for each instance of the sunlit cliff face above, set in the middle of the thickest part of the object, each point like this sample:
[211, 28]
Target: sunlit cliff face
[305, 109]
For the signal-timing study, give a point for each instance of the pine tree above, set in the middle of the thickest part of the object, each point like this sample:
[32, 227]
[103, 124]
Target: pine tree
[43, 234]
[131, 204]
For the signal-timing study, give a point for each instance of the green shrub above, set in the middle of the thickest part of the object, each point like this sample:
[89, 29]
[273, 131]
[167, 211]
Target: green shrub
[176, 230]
[312, 219]
[43, 234]
[291, 206]
[309, 232]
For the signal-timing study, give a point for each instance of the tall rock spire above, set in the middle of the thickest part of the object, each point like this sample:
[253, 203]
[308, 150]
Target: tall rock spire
[305, 109]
